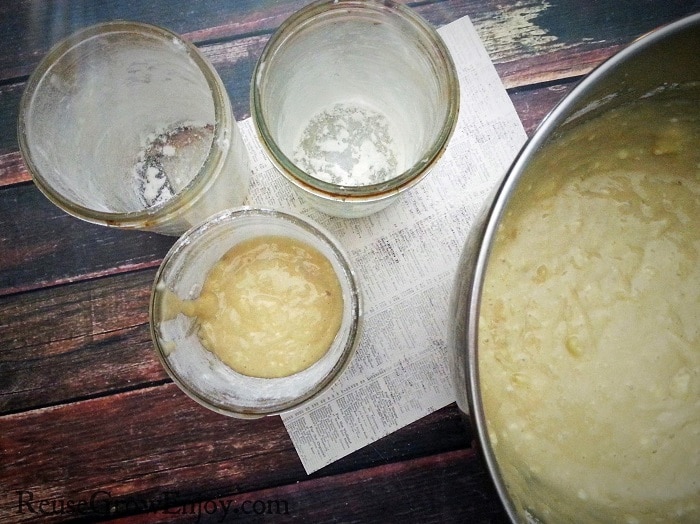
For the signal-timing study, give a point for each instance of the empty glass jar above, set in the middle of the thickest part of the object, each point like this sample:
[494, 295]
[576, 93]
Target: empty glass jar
[354, 101]
[127, 124]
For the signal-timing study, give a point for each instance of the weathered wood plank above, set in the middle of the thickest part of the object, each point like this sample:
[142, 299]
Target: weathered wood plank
[142, 441]
[521, 28]
[12, 169]
[155, 440]
[79, 368]
[29, 29]
[531, 41]
[75, 341]
[30, 321]
[42, 246]
[10, 95]
[533, 106]
[560, 66]
[450, 487]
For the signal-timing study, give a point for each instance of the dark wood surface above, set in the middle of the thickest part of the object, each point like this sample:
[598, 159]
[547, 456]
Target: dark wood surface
[86, 411]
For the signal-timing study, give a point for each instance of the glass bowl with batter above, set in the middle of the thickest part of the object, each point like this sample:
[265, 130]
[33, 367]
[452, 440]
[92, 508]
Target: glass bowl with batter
[255, 311]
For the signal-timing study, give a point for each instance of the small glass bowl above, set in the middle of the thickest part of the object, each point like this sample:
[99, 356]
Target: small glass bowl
[201, 374]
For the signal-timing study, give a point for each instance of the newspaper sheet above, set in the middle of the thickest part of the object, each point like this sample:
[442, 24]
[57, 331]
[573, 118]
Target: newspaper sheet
[405, 258]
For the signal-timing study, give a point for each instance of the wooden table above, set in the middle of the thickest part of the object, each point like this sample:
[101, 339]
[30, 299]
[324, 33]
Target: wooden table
[90, 425]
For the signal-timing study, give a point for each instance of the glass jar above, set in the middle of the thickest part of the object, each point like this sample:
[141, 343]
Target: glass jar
[198, 371]
[127, 124]
[354, 101]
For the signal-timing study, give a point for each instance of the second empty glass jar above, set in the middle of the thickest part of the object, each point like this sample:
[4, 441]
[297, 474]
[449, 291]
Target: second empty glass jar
[354, 101]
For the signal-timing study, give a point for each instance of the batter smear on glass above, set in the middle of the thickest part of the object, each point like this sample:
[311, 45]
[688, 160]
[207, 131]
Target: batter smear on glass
[169, 160]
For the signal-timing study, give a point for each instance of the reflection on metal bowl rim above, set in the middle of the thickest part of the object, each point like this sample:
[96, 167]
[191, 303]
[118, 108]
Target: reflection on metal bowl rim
[661, 59]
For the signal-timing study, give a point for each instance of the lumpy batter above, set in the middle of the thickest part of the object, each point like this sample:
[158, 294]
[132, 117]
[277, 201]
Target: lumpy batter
[589, 337]
[270, 307]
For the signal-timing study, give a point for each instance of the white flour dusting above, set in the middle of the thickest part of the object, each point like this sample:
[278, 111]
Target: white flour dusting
[348, 145]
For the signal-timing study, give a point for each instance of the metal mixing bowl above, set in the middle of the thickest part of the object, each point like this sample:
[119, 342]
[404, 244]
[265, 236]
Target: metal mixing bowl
[666, 56]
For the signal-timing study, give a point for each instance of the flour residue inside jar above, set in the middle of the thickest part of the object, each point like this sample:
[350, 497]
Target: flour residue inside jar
[270, 307]
[348, 145]
[169, 159]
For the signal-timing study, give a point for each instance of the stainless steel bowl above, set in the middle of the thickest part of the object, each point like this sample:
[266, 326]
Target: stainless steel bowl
[665, 56]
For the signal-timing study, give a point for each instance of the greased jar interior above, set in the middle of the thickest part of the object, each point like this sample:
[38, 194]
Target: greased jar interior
[354, 101]
[126, 124]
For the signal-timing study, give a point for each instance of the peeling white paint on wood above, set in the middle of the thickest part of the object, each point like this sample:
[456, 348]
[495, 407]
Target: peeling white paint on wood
[513, 33]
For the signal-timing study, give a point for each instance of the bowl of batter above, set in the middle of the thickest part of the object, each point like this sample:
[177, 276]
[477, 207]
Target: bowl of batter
[255, 311]
[576, 338]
